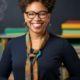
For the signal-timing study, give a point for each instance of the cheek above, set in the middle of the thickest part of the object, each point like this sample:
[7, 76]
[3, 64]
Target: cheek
[28, 23]
[47, 20]
[28, 20]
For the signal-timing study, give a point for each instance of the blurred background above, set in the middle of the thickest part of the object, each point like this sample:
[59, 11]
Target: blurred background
[11, 16]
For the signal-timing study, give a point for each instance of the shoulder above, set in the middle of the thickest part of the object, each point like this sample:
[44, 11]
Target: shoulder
[16, 40]
[59, 42]
[57, 39]
[19, 38]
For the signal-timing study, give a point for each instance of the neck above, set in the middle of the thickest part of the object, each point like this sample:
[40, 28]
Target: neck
[36, 36]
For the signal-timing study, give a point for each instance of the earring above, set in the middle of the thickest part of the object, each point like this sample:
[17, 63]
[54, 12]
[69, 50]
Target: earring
[26, 26]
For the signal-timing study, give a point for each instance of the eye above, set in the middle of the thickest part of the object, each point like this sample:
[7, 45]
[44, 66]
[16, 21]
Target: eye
[43, 13]
[31, 13]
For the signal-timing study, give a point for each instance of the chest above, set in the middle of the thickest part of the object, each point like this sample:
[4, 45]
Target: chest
[50, 59]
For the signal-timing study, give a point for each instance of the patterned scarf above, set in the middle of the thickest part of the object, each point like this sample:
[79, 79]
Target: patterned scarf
[31, 68]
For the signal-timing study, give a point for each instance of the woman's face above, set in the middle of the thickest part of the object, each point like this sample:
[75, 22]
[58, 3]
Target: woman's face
[37, 17]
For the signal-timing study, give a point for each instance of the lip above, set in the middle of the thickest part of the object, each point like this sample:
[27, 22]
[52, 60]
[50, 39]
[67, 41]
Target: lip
[37, 25]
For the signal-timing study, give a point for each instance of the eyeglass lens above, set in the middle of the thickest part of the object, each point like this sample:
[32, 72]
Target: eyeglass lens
[32, 14]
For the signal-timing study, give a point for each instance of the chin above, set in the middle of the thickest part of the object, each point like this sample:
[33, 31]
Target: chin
[38, 32]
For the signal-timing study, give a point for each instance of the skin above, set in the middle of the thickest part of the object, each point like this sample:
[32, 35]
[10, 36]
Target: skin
[36, 26]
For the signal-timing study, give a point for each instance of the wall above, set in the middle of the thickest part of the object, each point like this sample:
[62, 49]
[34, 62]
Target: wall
[64, 10]
[10, 14]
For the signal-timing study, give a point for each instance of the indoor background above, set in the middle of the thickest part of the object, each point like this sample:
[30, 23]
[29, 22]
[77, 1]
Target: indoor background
[10, 14]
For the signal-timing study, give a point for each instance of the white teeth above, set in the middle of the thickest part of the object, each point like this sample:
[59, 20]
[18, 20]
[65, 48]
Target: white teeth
[37, 25]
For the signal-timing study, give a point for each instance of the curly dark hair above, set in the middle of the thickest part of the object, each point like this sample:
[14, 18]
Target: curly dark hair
[49, 4]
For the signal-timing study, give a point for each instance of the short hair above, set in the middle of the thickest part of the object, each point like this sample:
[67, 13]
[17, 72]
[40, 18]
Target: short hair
[49, 4]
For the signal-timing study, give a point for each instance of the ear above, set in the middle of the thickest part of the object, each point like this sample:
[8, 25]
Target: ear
[24, 17]
[49, 16]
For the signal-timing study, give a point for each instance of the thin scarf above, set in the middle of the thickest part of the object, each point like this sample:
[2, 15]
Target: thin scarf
[31, 67]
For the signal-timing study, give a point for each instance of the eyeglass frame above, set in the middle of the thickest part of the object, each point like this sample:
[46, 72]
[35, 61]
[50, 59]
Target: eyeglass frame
[37, 14]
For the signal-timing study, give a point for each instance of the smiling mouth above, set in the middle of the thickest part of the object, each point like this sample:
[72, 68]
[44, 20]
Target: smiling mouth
[37, 25]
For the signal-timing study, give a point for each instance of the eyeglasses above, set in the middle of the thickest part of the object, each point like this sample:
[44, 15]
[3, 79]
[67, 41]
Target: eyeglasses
[41, 14]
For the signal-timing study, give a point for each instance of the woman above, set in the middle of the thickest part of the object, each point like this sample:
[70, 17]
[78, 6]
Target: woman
[38, 55]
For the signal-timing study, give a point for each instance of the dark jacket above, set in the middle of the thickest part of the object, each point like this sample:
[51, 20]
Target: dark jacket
[56, 51]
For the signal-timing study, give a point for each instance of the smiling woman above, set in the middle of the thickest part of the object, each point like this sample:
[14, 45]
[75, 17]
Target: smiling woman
[37, 19]
[38, 54]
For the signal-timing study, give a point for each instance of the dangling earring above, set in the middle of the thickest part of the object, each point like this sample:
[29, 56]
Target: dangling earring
[26, 26]
[25, 23]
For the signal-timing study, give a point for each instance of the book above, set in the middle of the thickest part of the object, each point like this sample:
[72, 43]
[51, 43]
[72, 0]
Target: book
[15, 34]
[15, 30]
[68, 35]
[71, 24]
[71, 31]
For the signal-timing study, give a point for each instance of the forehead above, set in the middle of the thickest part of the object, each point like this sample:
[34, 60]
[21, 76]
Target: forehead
[35, 6]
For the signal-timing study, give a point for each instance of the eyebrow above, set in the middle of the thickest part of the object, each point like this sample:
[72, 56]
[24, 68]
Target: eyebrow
[38, 11]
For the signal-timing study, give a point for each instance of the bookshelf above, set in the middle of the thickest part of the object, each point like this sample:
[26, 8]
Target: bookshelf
[71, 29]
